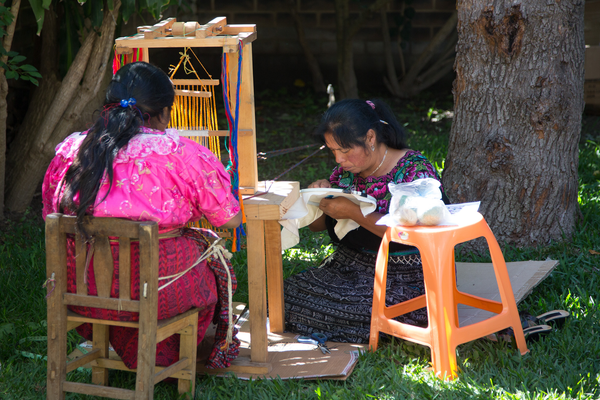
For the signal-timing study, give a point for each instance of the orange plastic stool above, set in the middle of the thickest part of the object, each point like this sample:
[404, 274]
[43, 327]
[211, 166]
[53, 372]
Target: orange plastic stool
[443, 334]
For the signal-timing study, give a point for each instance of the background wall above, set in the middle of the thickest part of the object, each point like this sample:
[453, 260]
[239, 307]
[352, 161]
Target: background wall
[278, 57]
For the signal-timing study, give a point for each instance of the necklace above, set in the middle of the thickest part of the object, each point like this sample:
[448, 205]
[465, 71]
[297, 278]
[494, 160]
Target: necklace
[381, 163]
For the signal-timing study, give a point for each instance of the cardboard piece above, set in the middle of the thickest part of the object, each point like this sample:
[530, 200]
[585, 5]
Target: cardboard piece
[478, 279]
[289, 359]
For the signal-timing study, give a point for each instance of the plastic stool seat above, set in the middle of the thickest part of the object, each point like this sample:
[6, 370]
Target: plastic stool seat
[443, 333]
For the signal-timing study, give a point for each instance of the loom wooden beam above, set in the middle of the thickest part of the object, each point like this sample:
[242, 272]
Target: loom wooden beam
[162, 28]
[124, 45]
[206, 132]
[195, 82]
[192, 93]
[214, 27]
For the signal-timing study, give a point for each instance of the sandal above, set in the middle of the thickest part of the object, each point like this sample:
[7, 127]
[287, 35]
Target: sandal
[531, 333]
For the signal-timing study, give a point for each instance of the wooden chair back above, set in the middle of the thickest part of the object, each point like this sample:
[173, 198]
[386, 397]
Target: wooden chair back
[151, 331]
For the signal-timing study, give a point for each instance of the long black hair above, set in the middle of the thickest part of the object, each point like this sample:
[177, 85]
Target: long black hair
[137, 92]
[349, 121]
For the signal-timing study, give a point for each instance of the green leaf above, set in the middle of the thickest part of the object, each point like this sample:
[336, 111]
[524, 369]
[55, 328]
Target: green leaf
[96, 13]
[18, 59]
[111, 5]
[12, 75]
[25, 77]
[38, 7]
[34, 81]
[128, 7]
[28, 68]
[12, 54]
[36, 74]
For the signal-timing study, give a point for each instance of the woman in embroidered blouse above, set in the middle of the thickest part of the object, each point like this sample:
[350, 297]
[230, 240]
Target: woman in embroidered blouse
[335, 299]
[128, 165]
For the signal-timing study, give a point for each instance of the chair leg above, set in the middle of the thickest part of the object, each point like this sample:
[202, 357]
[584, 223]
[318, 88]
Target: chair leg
[379, 287]
[57, 352]
[188, 346]
[100, 341]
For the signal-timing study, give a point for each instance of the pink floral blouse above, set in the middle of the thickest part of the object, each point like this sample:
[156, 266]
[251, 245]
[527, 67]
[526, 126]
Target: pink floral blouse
[159, 176]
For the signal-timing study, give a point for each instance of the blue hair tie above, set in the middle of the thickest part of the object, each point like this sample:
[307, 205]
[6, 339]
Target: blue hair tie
[126, 103]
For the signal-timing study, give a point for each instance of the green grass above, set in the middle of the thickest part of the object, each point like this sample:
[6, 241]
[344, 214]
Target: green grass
[562, 365]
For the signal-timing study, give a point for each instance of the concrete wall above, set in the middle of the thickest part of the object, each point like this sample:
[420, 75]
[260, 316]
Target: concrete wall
[278, 57]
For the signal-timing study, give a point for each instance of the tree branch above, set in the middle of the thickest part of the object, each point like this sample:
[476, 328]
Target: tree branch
[356, 24]
[439, 38]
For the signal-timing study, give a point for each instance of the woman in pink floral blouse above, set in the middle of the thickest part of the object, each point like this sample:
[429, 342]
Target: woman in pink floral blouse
[128, 165]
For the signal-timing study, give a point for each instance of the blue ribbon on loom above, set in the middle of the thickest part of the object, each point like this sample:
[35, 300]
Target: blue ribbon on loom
[233, 133]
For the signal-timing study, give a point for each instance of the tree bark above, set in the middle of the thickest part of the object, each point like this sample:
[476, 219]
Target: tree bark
[6, 44]
[518, 98]
[55, 107]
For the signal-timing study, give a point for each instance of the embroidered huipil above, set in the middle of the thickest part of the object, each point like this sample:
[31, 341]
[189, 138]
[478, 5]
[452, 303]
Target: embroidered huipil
[161, 177]
[158, 176]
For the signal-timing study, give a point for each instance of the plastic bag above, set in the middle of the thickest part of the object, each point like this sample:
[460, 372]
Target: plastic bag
[417, 202]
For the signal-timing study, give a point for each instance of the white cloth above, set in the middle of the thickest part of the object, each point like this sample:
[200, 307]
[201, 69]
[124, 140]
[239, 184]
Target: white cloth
[306, 210]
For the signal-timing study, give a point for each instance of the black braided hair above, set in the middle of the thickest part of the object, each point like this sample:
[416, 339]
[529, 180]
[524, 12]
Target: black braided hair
[151, 91]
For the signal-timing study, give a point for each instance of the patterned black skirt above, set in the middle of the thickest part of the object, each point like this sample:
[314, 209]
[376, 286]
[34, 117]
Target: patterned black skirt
[335, 298]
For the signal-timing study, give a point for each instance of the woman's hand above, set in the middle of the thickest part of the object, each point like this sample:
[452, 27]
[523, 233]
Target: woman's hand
[340, 208]
[321, 183]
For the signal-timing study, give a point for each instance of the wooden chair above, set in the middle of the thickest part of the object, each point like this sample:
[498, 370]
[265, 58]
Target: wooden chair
[151, 330]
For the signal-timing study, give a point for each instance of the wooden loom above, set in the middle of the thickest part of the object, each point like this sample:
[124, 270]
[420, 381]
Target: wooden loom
[262, 212]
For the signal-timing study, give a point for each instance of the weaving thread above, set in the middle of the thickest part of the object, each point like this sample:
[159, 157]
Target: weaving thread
[232, 120]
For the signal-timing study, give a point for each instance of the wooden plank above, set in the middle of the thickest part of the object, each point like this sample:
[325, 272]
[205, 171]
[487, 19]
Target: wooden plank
[274, 276]
[196, 82]
[80, 319]
[257, 289]
[72, 299]
[82, 360]
[192, 93]
[104, 226]
[56, 269]
[188, 347]
[241, 365]
[248, 169]
[120, 365]
[100, 343]
[81, 249]
[206, 133]
[99, 391]
[171, 369]
[124, 268]
[214, 27]
[123, 44]
[236, 29]
[103, 266]
[161, 28]
[162, 323]
[274, 204]
[148, 309]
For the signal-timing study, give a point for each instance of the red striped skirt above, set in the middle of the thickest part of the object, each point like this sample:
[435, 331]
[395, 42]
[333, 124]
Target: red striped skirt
[196, 288]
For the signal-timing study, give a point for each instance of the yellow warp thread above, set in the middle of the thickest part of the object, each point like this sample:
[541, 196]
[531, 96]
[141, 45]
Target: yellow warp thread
[196, 113]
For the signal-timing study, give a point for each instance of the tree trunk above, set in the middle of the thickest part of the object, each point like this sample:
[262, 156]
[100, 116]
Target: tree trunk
[346, 28]
[518, 98]
[55, 108]
[6, 44]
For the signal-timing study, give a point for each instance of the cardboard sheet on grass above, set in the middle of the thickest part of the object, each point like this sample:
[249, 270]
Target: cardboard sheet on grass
[292, 360]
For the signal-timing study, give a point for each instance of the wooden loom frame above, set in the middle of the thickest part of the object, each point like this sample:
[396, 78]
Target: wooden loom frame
[214, 34]
[262, 213]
